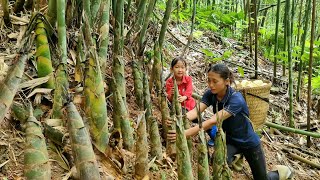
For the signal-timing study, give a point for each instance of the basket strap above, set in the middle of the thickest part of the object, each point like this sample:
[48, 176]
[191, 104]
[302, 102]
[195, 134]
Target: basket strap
[262, 98]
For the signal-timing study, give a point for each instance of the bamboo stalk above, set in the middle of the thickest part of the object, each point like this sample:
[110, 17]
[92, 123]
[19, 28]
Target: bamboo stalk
[95, 104]
[5, 9]
[10, 85]
[183, 156]
[126, 129]
[44, 65]
[78, 72]
[138, 83]
[84, 156]
[297, 131]
[36, 159]
[19, 112]
[60, 92]
[95, 4]
[170, 146]
[156, 70]
[186, 125]
[220, 167]
[104, 34]
[152, 124]
[52, 13]
[165, 22]
[203, 165]
[141, 166]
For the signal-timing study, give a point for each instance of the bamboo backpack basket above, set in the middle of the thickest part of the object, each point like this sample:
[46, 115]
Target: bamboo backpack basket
[257, 99]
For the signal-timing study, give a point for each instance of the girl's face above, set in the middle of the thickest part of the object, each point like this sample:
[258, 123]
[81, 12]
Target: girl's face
[179, 69]
[216, 83]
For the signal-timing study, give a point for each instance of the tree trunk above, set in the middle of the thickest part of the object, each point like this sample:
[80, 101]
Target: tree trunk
[289, 41]
[303, 40]
[255, 39]
[5, 9]
[313, 19]
[276, 42]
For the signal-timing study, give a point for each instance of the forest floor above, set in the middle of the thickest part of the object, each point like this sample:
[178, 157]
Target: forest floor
[12, 137]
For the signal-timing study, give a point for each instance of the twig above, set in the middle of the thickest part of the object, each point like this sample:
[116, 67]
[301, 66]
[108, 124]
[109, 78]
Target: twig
[4, 163]
[19, 19]
[304, 160]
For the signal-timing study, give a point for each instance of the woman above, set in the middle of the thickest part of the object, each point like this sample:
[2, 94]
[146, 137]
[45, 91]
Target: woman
[233, 111]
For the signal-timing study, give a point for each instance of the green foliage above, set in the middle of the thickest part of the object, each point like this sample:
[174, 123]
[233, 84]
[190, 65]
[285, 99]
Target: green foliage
[315, 81]
[241, 71]
[211, 19]
[212, 57]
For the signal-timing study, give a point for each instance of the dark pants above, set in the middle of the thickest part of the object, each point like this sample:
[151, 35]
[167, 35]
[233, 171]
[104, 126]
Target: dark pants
[256, 160]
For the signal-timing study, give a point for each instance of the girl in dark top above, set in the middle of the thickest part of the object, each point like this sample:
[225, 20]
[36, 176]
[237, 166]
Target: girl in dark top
[233, 111]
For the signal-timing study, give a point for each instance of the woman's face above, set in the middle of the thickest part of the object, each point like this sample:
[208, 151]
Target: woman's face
[216, 83]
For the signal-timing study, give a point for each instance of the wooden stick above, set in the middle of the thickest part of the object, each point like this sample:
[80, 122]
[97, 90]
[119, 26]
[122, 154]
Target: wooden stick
[294, 156]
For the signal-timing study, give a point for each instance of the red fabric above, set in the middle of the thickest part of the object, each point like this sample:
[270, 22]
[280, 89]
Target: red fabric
[185, 89]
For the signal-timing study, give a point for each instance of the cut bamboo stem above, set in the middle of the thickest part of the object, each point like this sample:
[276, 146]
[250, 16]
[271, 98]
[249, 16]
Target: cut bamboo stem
[297, 131]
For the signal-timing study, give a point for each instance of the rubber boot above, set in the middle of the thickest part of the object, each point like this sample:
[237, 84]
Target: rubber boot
[237, 163]
[284, 172]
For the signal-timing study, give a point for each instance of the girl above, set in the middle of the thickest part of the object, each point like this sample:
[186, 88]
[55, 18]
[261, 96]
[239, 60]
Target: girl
[184, 82]
[233, 111]
[185, 87]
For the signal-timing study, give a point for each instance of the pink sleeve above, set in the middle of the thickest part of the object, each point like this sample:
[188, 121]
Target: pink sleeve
[189, 88]
[169, 86]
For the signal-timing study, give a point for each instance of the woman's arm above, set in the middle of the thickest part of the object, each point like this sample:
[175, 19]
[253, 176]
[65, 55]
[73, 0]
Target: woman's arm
[221, 115]
[193, 114]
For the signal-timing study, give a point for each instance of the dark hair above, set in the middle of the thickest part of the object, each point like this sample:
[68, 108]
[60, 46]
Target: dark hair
[177, 59]
[222, 70]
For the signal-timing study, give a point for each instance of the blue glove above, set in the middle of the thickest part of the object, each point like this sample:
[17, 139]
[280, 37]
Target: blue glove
[212, 133]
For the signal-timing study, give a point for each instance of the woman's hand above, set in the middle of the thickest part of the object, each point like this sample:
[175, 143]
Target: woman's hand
[171, 135]
[182, 98]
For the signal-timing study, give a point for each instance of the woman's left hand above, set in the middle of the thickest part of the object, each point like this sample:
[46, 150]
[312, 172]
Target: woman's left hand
[182, 98]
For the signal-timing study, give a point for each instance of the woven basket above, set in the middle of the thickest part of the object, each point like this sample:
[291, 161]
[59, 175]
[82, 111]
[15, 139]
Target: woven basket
[257, 99]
